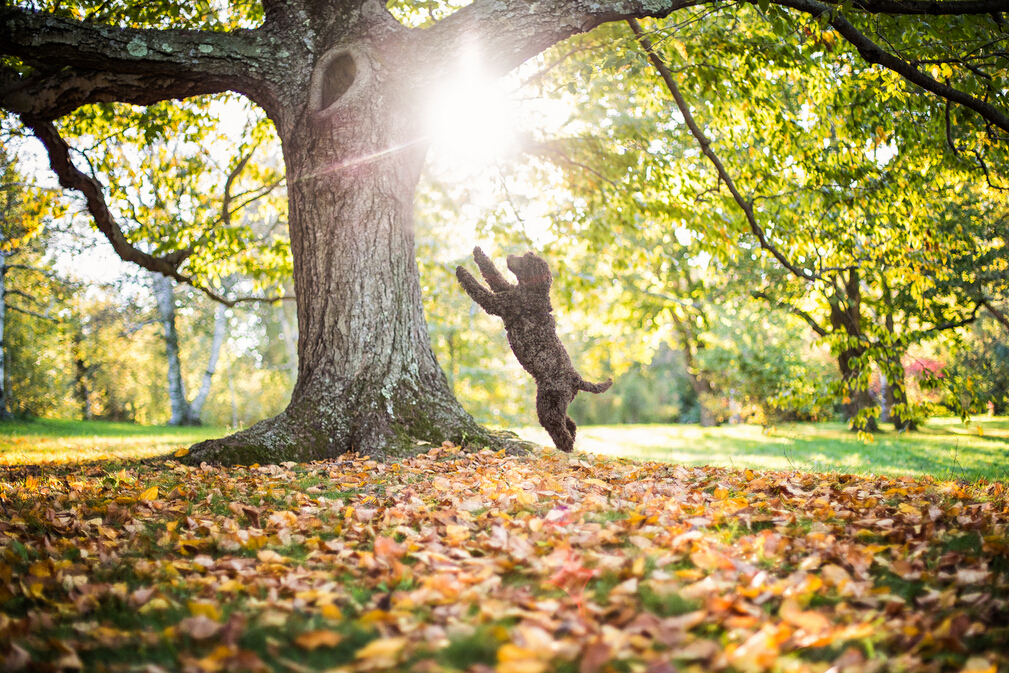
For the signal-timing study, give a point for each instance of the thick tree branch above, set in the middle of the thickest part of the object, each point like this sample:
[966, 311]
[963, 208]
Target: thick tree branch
[744, 205]
[72, 178]
[996, 313]
[509, 32]
[33, 314]
[87, 63]
[873, 53]
[23, 295]
[50, 97]
[953, 324]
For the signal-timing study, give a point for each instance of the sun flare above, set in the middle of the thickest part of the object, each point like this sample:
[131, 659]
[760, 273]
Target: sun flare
[470, 119]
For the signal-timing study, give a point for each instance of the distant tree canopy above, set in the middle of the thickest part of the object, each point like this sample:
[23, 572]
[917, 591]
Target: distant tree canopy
[736, 156]
[796, 103]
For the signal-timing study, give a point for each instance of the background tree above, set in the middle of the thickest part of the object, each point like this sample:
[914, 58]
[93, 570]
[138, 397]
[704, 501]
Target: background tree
[26, 283]
[801, 165]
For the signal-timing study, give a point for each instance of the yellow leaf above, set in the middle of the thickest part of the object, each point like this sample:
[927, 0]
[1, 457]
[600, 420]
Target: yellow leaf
[638, 567]
[215, 660]
[205, 608]
[182, 452]
[456, 533]
[39, 569]
[318, 638]
[521, 666]
[978, 665]
[514, 659]
[510, 652]
[150, 494]
[269, 556]
[383, 648]
[330, 611]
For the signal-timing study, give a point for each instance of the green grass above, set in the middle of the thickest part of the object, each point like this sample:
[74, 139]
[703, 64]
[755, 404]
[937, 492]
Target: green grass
[944, 447]
[61, 441]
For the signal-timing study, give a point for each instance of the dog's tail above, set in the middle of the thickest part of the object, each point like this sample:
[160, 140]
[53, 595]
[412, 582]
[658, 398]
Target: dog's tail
[594, 387]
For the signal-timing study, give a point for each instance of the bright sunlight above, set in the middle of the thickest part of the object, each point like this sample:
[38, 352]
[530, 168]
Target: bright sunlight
[470, 119]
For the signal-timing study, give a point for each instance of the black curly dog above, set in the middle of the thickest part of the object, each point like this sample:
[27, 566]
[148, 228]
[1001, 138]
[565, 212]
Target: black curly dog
[532, 333]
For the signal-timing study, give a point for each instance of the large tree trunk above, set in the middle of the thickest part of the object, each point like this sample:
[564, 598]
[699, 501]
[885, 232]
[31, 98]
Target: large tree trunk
[368, 380]
[185, 412]
[220, 331]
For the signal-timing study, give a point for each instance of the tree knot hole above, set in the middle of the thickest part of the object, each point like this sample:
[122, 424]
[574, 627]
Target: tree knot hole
[337, 77]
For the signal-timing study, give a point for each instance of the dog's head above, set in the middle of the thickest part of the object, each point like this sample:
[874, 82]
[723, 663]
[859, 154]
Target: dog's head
[529, 269]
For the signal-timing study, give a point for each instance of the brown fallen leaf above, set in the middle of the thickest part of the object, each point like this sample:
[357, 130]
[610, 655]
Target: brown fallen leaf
[387, 548]
[199, 627]
[16, 658]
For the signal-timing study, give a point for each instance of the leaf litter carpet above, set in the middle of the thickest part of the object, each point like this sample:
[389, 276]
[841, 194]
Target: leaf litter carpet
[481, 562]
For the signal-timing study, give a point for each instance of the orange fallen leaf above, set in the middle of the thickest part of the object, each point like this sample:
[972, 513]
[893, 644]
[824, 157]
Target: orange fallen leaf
[318, 638]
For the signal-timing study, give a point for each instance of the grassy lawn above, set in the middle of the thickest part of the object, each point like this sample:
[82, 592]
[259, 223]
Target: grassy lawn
[944, 448]
[61, 441]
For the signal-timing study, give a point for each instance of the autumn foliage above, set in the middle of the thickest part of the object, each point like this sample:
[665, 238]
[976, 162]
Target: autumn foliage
[485, 562]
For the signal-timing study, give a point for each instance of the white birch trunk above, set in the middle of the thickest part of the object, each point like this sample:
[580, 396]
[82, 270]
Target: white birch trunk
[164, 292]
[220, 330]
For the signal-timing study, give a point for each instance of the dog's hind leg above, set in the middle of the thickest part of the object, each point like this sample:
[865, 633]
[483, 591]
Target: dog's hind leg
[551, 409]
